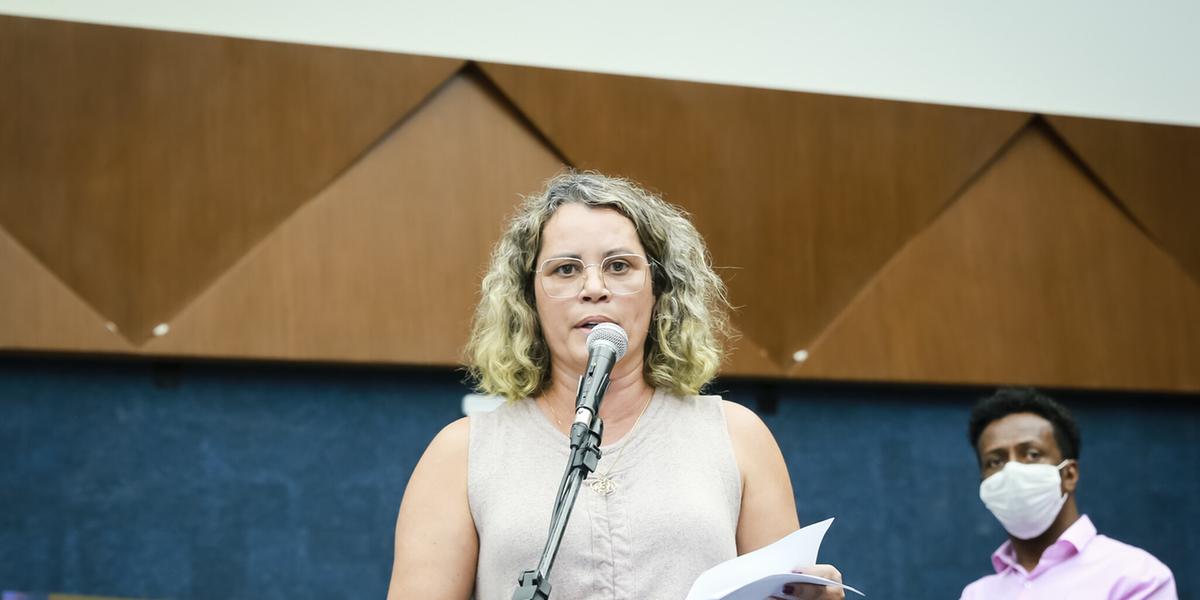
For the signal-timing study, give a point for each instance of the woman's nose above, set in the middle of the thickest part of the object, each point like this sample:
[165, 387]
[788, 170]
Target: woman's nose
[593, 283]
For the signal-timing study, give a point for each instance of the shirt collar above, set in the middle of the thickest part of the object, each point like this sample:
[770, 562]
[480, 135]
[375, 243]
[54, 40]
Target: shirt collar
[1071, 542]
[1079, 533]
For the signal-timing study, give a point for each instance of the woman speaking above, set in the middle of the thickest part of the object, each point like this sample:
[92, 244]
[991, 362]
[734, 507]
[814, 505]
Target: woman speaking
[685, 481]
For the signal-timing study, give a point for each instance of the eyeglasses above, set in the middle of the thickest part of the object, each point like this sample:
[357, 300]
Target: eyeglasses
[621, 274]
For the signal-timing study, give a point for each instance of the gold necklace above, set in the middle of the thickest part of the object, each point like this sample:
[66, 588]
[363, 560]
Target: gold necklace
[603, 484]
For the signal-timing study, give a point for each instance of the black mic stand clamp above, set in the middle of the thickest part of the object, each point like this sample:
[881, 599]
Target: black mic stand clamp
[585, 455]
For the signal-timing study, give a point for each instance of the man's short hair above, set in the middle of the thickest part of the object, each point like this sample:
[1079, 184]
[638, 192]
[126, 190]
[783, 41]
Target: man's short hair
[1010, 400]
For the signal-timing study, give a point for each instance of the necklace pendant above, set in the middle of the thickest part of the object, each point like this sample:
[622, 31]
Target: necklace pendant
[603, 485]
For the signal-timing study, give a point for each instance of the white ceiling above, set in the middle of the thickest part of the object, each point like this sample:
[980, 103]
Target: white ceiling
[1120, 60]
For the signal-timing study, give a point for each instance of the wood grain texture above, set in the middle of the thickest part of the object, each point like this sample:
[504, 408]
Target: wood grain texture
[385, 265]
[803, 196]
[39, 312]
[1153, 170]
[1034, 277]
[138, 165]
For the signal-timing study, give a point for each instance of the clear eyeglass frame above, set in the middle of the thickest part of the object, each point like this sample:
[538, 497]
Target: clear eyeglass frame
[567, 286]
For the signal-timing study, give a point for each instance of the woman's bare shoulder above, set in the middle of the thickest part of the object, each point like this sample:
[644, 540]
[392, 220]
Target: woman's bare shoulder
[449, 447]
[744, 424]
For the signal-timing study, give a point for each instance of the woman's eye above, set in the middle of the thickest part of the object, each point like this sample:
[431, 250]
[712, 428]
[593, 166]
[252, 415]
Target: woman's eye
[567, 269]
[618, 266]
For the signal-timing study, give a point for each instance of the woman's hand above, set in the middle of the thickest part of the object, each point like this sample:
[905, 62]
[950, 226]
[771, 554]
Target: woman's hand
[812, 591]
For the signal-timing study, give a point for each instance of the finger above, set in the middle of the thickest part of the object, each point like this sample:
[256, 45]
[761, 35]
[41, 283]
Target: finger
[813, 591]
[803, 591]
[833, 593]
[827, 571]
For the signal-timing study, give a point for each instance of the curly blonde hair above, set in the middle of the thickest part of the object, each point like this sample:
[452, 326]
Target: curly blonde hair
[506, 354]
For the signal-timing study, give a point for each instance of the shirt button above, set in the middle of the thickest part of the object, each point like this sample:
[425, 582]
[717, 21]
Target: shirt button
[1028, 584]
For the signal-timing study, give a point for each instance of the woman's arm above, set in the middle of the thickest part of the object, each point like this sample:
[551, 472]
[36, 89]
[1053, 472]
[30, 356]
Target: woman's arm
[768, 507]
[436, 543]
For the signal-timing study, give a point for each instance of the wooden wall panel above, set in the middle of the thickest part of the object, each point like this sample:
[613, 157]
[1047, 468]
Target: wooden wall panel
[1033, 277]
[744, 357]
[1154, 170]
[384, 265]
[802, 196]
[138, 165]
[39, 312]
[269, 200]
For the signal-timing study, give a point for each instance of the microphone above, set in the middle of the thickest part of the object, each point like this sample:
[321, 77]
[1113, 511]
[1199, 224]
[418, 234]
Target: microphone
[606, 345]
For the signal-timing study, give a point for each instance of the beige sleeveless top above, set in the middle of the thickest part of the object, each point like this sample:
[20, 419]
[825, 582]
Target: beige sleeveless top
[673, 514]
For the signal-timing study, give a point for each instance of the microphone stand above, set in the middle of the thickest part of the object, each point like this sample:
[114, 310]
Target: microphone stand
[585, 454]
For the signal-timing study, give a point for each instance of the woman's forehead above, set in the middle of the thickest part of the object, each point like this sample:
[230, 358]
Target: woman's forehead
[577, 229]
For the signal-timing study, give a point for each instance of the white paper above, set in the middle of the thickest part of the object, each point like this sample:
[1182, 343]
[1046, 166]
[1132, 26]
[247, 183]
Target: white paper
[762, 573]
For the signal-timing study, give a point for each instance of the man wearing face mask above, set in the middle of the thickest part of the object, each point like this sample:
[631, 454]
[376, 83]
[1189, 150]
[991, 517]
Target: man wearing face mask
[1028, 450]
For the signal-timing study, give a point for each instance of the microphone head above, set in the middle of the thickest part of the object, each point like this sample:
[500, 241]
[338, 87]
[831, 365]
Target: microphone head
[609, 334]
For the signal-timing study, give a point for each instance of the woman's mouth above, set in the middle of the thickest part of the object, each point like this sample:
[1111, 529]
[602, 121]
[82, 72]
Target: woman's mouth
[591, 322]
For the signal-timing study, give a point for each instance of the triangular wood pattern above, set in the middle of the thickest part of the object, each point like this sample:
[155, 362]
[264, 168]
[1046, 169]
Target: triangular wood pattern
[141, 164]
[1154, 170]
[747, 358]
[805, 195]
[39, 312]
[384, 265]
[1034, 277]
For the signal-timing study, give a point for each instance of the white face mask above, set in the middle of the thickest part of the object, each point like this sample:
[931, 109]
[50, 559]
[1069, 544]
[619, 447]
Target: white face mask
[1024, 497]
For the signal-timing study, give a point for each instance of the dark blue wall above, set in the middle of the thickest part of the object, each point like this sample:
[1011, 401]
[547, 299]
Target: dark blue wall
[233, 481]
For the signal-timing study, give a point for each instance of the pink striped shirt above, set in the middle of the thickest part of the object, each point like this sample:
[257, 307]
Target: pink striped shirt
[1080, 564]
